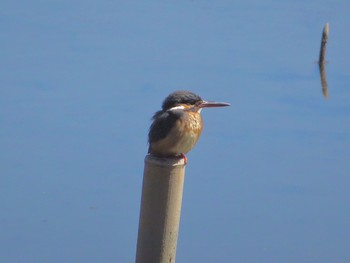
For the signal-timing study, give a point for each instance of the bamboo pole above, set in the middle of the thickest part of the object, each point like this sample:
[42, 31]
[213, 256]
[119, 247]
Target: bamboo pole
[161, 201]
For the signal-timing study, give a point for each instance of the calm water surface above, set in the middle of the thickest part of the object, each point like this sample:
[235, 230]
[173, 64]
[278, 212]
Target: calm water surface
[268, 181]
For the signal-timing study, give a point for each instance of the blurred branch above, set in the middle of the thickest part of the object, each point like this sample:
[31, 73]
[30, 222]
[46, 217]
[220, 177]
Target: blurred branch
[323, 44]
[323, 79]
[322, 62]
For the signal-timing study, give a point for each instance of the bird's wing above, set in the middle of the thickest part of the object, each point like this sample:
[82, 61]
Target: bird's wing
[163, 122]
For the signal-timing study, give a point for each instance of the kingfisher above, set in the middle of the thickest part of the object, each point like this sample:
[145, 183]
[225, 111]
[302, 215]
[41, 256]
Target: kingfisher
[177, 127]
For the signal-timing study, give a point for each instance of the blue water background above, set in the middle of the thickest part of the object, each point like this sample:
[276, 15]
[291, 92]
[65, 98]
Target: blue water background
[80, 80]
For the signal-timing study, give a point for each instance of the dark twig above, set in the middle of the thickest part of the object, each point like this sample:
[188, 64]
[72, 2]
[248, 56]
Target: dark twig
[323, 79]
[324, 43]
[322, 61]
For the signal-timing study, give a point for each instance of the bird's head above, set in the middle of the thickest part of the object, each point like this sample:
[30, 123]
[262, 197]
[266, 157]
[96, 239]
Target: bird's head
[188, 99]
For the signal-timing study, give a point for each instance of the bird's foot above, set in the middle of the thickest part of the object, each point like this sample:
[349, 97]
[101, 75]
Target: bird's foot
[182, 155]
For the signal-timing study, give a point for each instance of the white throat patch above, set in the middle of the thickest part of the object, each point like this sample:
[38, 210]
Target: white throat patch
[180, 107]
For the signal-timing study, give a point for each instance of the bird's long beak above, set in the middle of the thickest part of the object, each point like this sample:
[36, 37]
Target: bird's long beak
[212, 104]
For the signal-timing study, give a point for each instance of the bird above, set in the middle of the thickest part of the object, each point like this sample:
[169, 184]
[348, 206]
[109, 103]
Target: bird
[176, 128]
